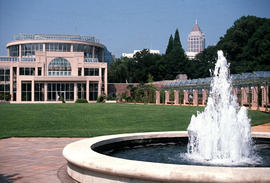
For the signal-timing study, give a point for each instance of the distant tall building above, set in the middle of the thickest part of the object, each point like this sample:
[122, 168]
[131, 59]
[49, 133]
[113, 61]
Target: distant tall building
[196, 41]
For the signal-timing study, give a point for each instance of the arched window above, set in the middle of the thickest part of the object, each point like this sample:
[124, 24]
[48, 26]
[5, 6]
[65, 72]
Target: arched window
[59, 67]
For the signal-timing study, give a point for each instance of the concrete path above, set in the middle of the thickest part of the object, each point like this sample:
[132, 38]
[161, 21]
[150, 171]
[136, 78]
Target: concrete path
[32, 160]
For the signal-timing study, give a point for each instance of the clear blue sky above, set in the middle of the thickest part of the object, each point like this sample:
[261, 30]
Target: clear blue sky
[125, 25]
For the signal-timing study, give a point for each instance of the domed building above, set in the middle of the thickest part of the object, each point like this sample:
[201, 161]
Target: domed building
[48, 68]
[196, 41]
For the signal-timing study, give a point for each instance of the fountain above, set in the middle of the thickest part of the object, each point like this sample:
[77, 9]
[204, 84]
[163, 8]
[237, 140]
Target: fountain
[221, 134]
[218, 147]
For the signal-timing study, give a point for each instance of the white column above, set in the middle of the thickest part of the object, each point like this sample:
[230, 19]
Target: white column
[87, 90]
[75, 91]
[106, 81]
[11, 82]
[45, 92]
[32, 90]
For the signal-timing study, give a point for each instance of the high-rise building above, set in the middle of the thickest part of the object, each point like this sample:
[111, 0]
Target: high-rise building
[196, 41]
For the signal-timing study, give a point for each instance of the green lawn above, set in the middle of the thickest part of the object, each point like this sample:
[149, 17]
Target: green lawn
[88, 120]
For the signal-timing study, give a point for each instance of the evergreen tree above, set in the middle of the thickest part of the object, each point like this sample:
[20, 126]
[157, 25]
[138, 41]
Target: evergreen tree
[170, 45]
[176, 41]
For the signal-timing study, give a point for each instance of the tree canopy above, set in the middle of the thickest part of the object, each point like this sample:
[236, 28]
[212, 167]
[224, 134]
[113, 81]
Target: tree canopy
[246, 46]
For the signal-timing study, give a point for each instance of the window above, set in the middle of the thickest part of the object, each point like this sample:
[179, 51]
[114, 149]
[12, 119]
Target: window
[60, 47]
[103, 80]
[26, 91]
[39, 91]
[39, 71]
[58, 90]
[14, 83]
[91, 71]
[59, 67]
[86, 49]
[93, 91]
[79, 71]
[28, 71]
[4, 83]
[14, 51]
[81, 90]
[29, 49]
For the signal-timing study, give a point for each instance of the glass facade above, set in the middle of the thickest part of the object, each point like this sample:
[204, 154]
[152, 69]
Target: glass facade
[59, 67]
[14, 51]
[81, 90]
[4, 83]
[58, 90]
[29, 49]
[26, 91]
[91, 71]
[39, 91]
[93, 91]
[27, 71]
[86, 49]
[98, 53]
[61, 47]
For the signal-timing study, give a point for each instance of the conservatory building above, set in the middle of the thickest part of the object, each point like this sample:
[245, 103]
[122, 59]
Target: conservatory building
[50, 68]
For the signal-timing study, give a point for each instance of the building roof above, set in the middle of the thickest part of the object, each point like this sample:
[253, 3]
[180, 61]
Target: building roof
[20, 37]
[196, 27]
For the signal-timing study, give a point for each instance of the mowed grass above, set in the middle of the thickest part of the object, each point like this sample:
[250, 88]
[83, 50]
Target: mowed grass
[88, 120]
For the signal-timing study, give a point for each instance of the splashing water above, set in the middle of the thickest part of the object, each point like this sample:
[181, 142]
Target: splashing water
[221, 134]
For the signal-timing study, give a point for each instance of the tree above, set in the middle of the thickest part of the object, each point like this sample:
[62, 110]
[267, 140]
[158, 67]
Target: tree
[170, 45]
[246, 44]
[177, 41]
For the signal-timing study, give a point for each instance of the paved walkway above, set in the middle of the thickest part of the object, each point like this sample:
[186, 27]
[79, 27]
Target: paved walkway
[31, 160]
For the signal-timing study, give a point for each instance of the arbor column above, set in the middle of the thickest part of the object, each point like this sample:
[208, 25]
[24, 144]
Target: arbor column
[157, 97]
[167, 97]
[195, 97]
[204, 96]
[244, 96]
[254, 91]
[265, 99]
[185, 97]
[176, 97]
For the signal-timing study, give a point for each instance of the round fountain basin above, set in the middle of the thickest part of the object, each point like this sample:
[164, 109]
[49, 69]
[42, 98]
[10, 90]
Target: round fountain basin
[88, 162]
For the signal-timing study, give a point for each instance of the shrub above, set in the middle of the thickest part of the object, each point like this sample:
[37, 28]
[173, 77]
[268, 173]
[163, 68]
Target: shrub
[81, 100]
[101, 99]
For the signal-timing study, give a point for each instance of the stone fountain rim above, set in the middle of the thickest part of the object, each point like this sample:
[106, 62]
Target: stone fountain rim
[80, 155]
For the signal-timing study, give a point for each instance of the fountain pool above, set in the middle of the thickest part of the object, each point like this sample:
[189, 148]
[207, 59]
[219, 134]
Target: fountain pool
[218, 147]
